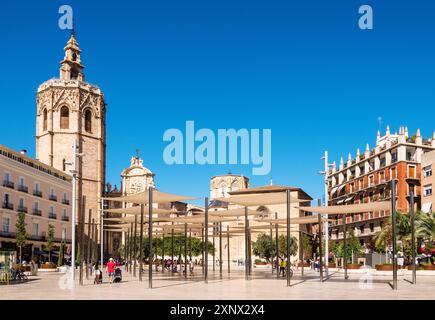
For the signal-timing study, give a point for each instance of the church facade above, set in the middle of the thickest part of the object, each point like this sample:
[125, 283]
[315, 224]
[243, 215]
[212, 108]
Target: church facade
[69, 109]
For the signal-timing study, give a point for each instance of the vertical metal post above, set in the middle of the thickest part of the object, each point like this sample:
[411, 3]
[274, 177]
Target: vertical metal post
[214, 246]
[301, 251]
[172, 247]
[190, 244]
[228, 249]
[135, 247]
[220, 249]
[249, 252]
[203, 248]
[127, 250]
[393, 222]
[288, 239]
[82, 238]
[163, 250]
[271, 239]
[185, 250]
[141, 243]
[206, 241]
[150, 235]
[326, 222]
[414, 267]
[246, 245]
[345, 247]
[130, 249]
[102, 236]
[88, 253]
[320, 247]
[73, 213]
[277, 246]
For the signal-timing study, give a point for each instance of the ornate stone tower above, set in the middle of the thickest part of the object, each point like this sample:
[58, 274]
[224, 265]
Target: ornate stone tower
[70, 109]
[136, 178]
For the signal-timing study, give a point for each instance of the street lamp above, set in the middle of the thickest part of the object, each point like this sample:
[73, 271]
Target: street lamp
[73, 205]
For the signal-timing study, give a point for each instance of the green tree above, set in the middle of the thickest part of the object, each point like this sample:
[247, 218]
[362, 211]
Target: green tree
[60, 259]
[282, 243]
[20, 233]
[264, 247]
[50, 240]
[425, 226]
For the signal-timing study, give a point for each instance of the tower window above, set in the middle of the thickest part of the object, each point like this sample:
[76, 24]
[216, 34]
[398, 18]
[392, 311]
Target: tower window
[44, 121]
[74, 56]
[74, 74]
[64, 117]
[88, 121]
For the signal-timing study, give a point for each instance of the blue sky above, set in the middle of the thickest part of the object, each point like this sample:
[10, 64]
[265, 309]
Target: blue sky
[301, 68]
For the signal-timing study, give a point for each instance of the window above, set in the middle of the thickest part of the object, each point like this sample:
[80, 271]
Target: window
[63, 233]
[372, 227]
[371, 181]
[383, 161]
[393, 173]
[88, 121]
[428, 190]
[44, 120]
[35, 229]
[64, 117]
[411, 172]
[51, 210]
[36, 206]
[37, 187]
[394, 157]
[22, 182]
[7, 177]
[65, 215]
[381, 176]
[6, 224]
[74, 74]
[21, 203]
[361, 228]
[427, 171]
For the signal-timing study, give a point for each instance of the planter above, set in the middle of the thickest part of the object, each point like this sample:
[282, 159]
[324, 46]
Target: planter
[307, 265]
[429, 267]
[261, 263]
[353, 266]
[332, 265]
[48, 266]
[384, 267]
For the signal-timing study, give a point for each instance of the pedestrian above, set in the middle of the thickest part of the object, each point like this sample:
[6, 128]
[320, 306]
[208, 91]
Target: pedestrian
[110, 269]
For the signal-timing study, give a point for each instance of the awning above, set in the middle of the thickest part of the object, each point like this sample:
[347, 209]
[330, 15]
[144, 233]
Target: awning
[340, 201]
[260, 199]
[348, 199]
[341, 187]
[158, 197]
[333, 190]
[239, 212]
[298, 220]
[426, 207]
[136, 210]
[352, 208]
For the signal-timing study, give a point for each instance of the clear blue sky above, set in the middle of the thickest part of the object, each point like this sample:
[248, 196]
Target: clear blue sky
[301, 68]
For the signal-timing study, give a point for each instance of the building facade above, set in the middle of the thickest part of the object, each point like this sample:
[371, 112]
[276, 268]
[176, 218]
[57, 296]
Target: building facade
[221, 185]
[366, 178]
[68, 110]
[39, 191]
[428, 182]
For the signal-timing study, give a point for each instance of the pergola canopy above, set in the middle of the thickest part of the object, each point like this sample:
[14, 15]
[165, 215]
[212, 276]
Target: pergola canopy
[260, 199]
[158, 197]
[352, 208]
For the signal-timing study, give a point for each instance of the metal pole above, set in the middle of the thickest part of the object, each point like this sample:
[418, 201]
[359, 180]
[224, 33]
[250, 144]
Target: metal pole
[82, 238]
[301, 252]
[190, 244]
[185, 250]
[320, 246]
[326, 216]
[214, 252]
[163, 251]
[246, 245]
[202, 251]
[271, 239]
[135, 247]
[288, 238]
[150, 235]
[89, 244]
[220, 249]
[73, 213]
[130, 249]
[172, 247]
[249, 252]
[344, 247]
[228, 248]
[414, 267]
[102, 235]
[393, 218]
[141, 243]
[206, 241]
[127, 250]
[277, 247]
[93, 242]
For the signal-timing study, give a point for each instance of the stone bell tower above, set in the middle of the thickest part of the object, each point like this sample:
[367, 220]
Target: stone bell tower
[70, 109]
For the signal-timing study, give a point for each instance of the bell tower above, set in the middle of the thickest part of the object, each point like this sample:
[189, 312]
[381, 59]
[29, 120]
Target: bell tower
[70, 109]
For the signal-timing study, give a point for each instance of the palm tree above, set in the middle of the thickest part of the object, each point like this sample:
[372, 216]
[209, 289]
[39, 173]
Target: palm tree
[425, 226]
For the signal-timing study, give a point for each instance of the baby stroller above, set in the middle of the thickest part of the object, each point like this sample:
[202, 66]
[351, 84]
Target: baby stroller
[98, 277]
[117, 277]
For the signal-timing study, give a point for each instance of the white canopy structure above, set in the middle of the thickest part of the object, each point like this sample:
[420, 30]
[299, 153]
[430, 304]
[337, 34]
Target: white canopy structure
[260, 199]
[352, 208]
[158, 197]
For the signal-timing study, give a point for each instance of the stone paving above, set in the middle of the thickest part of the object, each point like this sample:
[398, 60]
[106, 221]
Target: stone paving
[262, 286]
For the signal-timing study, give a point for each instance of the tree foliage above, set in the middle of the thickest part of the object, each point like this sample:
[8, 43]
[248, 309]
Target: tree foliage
[50, 240]
[20, 232]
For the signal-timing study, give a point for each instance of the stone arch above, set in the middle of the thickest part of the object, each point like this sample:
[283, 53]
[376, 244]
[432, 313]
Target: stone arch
[44, 119]
[87, 117]
[265, 212]
[64, 117]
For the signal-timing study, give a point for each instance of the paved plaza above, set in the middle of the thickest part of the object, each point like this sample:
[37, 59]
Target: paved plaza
[263, 285]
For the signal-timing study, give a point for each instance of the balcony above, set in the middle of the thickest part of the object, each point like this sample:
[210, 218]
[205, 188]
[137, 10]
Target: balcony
[52, 197]
[37, 212]
[37, 193]
[52, 216]
[65, 218]
[8, 205]
[65, 201]
[8, 184]
[23, 189]
[22, 209]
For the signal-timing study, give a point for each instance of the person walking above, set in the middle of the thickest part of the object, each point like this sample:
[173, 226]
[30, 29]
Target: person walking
[110, 267]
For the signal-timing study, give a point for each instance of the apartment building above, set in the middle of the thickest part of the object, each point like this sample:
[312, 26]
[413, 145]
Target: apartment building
[39, 191]
[428, 182]
[366, 178]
